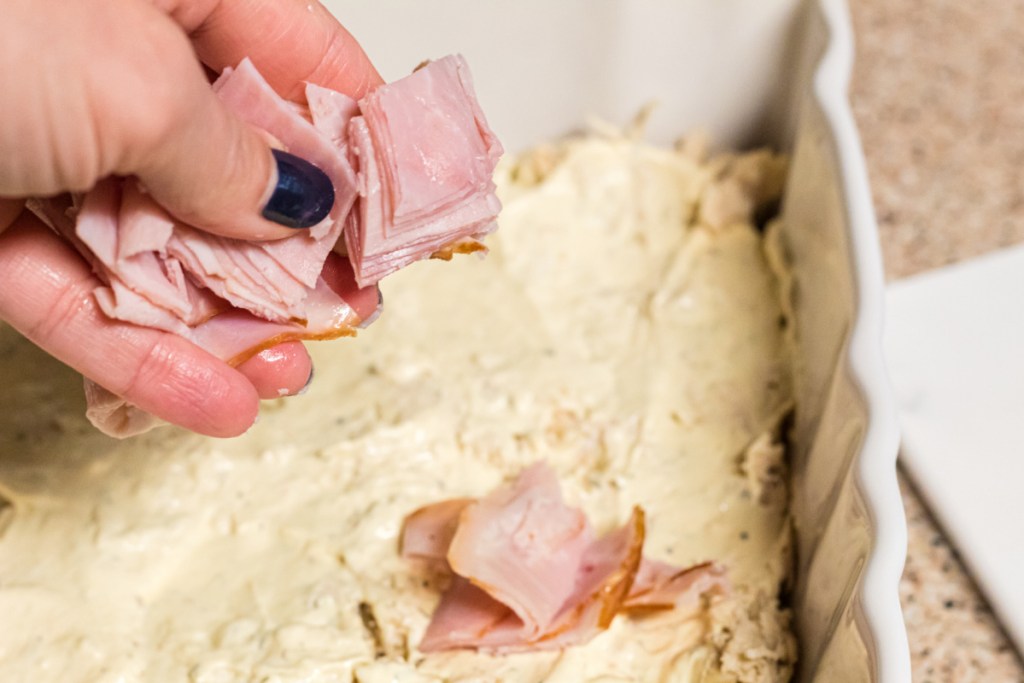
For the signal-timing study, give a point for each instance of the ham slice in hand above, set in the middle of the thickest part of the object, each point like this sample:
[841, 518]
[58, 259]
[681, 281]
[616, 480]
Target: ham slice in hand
[424, 156]
[528, 572]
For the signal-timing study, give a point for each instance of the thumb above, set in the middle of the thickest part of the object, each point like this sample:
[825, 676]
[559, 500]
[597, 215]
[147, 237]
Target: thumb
[212, 170]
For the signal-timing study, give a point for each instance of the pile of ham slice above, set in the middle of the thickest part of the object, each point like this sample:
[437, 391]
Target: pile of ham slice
[528, 573]
[411, 164]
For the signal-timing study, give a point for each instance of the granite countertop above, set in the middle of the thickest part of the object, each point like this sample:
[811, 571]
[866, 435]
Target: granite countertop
[938, 93]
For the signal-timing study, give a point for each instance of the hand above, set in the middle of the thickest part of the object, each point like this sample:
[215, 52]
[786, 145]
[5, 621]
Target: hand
[117, 87]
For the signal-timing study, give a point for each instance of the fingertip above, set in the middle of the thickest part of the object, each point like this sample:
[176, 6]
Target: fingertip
[283, 370]
[237, 417]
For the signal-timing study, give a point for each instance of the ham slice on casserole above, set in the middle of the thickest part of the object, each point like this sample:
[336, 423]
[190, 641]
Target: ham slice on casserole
[411, 165]
[528, 572]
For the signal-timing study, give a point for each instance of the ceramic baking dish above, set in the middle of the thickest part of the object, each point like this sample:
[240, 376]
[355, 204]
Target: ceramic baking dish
[751, 72]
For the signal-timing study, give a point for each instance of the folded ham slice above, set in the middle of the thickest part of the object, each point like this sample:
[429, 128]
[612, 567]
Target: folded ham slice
[528, 572]
[523, 545]
[427, 533]
[425, 157]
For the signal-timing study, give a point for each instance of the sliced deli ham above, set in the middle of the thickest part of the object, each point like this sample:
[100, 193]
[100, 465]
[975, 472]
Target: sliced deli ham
[411, 166]
[528, 572]
[425, 157]
[251, 98]
[661, 586]
[523, 545]
[600, 583]
[427, 533]
[335, 308]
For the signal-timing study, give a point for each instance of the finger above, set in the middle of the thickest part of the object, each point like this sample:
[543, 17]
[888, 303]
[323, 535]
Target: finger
[291, 42]
[198, 160]
[283, 370]
[46, 294]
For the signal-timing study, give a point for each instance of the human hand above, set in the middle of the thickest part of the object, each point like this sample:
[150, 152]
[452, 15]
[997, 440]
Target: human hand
[117, 87]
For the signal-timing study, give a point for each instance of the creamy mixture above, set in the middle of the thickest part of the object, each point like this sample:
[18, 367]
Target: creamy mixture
[625, 327]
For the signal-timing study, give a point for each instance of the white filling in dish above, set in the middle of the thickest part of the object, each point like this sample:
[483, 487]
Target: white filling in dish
[625, 328]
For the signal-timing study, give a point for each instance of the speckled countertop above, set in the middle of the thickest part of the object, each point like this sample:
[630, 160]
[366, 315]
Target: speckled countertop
[938, 93]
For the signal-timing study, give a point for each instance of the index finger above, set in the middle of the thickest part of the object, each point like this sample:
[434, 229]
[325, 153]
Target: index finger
[291, 42]
[46, 292]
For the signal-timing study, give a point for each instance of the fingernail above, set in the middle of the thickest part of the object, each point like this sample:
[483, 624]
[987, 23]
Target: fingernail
[303, 196]
[305, 387]
[363, 324]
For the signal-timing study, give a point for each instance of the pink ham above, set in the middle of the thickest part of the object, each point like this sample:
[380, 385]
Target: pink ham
[335, 308]
[113, 415]
[427, 532]
[528, 573]
[105, 208]
[331, 112]
[660, 586]
[523, 545]
[424, 189]
[249, 96]
[425, 156]
[599, 584]
[466, 617]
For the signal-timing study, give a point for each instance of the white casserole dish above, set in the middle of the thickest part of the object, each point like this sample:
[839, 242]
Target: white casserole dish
[751, 72]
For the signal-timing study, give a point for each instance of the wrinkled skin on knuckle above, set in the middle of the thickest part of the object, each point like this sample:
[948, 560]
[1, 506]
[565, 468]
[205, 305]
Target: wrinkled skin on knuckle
[74, 305]
[68, 297]
[182, 387]
[158, 368]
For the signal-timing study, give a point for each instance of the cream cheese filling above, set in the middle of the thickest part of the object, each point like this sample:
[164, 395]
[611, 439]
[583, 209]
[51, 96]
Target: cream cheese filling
[626, 327]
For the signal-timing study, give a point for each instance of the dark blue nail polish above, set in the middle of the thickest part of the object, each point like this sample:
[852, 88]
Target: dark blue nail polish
[304, 194]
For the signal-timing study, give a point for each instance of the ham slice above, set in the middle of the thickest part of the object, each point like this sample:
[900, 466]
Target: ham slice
[425, 157]
[661, 586]
[249, 96]
[523, 545]
[335, 308]
[528, 572]
[427, 533]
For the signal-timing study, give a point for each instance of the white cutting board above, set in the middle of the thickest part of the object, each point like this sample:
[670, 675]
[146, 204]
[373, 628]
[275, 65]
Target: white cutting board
[955, 349]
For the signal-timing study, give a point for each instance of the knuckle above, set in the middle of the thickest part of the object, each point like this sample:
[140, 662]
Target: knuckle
[72, 305]
[165, 375]
[155, 367]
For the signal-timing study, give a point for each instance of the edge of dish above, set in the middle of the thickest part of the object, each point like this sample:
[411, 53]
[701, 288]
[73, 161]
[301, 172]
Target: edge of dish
[876, 464]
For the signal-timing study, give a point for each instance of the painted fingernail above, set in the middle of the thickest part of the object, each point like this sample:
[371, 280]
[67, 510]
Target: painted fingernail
[305, 387]
[303, 196]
